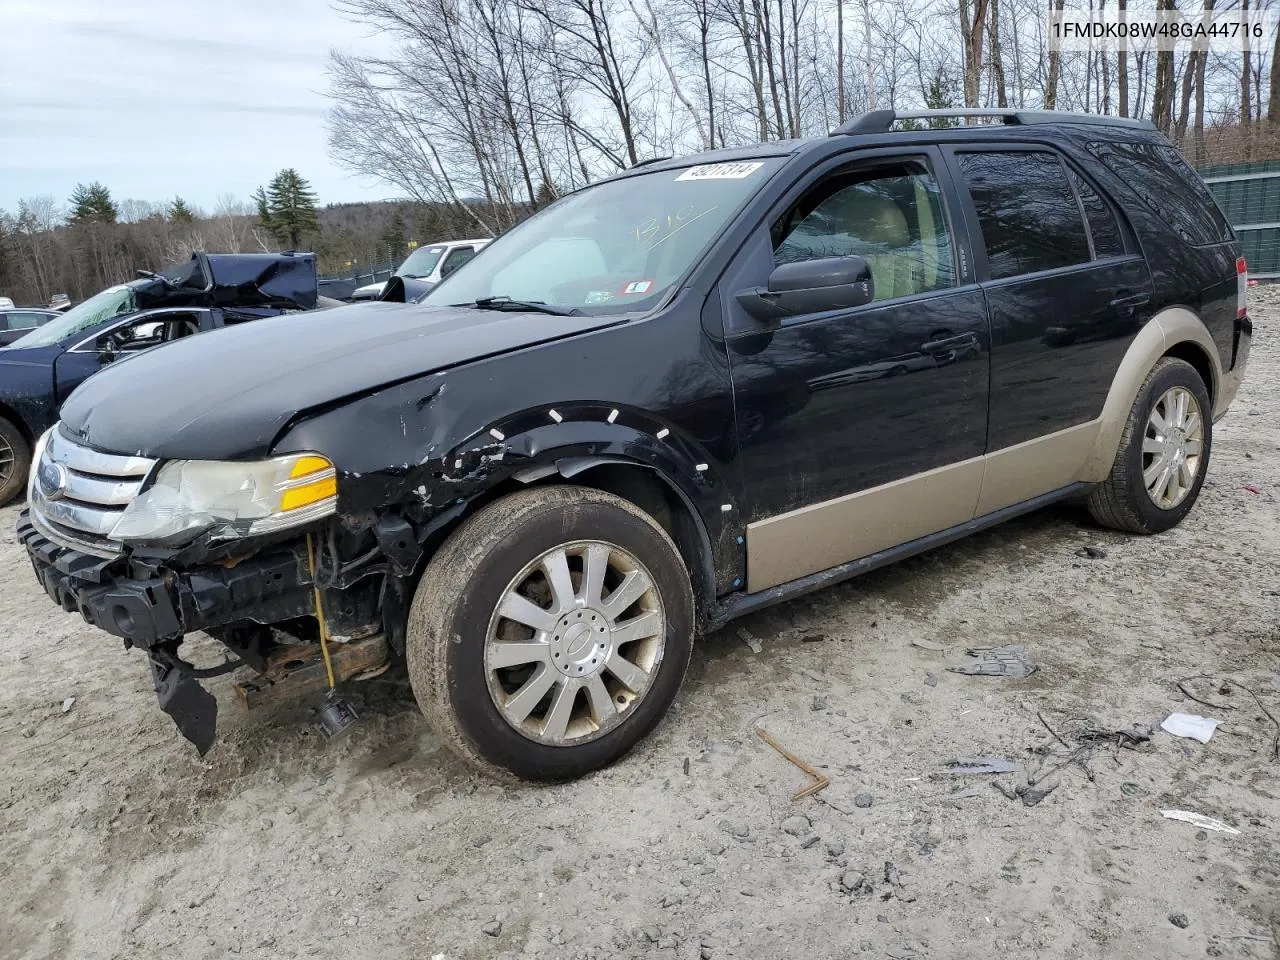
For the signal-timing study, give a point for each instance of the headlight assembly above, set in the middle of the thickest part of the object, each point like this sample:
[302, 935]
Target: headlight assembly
[231, 500]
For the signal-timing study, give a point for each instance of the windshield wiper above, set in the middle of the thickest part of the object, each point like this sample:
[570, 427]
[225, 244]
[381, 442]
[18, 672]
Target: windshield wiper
[503, 302]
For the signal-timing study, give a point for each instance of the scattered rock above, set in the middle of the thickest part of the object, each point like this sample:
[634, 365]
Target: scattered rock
[819, 704]
[930, 680]
[809, 842]
[686, 766]
[1092, 553]
[1032, 795]
[1179, 920]
[67, 704]
[739, 830]
[810, 638]
[749, 640]
[862, 799]
[481, 840]
[717, 848]
[796, 826]
[652, 934]
[854, 882]
[834, 848]
[492, 929]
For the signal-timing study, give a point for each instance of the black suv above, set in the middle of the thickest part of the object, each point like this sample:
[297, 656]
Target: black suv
[673, 397]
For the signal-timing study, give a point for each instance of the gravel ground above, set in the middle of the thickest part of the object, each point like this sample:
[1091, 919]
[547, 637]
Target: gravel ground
[116, 840]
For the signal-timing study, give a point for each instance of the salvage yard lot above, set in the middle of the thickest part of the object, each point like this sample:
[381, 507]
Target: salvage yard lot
[116, 840]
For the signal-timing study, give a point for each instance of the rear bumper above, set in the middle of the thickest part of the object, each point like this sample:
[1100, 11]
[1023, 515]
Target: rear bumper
[144, 606]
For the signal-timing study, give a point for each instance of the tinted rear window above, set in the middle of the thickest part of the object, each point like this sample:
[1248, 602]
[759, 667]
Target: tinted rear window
[1102, 220]
[1028, 212]
[1166, 183]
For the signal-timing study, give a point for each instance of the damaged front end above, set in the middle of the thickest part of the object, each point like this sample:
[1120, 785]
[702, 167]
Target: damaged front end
[151, 553]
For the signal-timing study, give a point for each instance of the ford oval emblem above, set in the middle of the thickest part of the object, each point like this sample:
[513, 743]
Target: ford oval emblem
[53, 480]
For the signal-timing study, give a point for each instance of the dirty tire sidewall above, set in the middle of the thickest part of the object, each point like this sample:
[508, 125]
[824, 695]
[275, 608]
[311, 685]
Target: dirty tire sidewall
[17, 480]
[1122, 501]
[460, 589]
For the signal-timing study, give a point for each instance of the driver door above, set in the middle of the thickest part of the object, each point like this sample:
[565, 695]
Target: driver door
[132, 335]
[860, 428]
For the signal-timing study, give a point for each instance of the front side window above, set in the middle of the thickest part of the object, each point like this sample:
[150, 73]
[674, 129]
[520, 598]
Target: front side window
[1027, 210]
[893, 217]
[616, 247]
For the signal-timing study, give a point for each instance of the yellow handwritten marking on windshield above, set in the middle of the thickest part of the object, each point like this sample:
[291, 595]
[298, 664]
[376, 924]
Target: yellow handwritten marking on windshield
[672, 223]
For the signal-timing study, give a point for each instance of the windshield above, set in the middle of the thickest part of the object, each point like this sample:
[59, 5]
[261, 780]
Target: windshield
[112, 302]
[421, 262]
[617, 247]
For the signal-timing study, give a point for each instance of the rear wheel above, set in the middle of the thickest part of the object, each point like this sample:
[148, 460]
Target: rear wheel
[1163, 454]
[550, 632]
[15, 461]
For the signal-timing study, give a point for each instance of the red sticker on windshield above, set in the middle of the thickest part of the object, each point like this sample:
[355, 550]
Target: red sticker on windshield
[637, 286]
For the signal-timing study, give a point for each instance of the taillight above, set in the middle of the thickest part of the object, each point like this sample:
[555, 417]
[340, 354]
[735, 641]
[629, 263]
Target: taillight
[1242, 289]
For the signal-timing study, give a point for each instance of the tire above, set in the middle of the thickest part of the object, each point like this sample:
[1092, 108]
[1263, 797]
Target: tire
[15, 461]
[1122, 501]
[455, 614]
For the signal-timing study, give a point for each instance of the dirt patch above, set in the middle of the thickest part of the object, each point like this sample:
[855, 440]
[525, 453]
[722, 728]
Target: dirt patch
[117, 841]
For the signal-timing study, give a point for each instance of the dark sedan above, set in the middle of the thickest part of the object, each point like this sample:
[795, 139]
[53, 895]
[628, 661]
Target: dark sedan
[19, 321]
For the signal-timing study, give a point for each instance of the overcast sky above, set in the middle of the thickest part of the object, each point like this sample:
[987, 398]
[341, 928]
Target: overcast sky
[156, 98]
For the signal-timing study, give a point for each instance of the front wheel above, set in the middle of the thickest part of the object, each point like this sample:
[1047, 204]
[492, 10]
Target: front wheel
[1163, 454]
[550, 632]
[15, 461]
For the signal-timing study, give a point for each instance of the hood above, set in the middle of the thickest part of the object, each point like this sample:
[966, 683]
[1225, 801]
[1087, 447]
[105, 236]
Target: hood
[227, 394]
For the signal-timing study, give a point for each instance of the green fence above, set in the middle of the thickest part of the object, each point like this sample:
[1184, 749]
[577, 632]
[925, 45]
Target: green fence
[1249, 194]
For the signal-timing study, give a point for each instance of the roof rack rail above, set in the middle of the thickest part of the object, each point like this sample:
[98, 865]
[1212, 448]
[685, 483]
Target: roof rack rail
[882, 121]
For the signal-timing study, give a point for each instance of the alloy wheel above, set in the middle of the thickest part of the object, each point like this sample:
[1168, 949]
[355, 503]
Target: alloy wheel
[574, 643]
[1171, 447]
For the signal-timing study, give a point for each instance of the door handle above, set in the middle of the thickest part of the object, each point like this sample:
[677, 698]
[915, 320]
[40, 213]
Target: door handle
[1130, 302]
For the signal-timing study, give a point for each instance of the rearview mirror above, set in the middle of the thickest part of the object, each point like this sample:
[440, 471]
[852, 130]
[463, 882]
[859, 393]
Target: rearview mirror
[810, 286]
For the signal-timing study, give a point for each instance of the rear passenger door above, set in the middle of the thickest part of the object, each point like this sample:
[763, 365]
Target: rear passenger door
[1066, 289]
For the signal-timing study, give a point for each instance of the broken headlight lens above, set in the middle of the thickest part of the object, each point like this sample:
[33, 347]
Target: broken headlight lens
[190, 497]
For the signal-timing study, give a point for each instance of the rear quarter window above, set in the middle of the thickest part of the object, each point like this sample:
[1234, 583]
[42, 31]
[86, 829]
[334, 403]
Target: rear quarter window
[1166, 183]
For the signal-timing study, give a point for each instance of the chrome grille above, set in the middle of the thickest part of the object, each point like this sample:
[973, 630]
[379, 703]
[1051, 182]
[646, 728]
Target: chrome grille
[78, 494]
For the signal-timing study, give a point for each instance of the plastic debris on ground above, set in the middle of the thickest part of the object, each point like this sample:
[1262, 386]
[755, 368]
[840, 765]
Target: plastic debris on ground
[1006, 661]
[1198, 820]
[1190, 725]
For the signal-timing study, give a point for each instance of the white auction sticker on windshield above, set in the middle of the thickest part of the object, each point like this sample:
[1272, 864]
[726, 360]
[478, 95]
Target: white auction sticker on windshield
[722, 171]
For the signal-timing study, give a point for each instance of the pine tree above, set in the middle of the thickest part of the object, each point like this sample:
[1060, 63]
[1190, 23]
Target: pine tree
[546, 195]
[92, 204]
[179, 212]
[941, 95]
[393, 240]
[287, 207]
[264, 209]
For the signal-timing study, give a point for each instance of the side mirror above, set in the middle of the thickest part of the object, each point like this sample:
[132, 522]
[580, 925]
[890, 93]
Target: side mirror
[810, 286]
